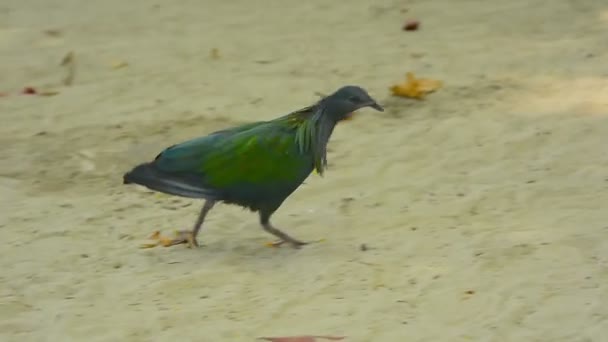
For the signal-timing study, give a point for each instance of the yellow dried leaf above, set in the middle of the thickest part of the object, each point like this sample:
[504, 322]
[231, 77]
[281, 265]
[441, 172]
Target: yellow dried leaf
[118, 64]
[414, 87]
[148, 245]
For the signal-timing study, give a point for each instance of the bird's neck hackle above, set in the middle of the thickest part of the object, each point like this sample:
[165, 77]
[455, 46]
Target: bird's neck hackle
[313, 135]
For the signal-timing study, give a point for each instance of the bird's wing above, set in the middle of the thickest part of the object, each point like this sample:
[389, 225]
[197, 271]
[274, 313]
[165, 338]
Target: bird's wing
[261, 154]
[185, 156]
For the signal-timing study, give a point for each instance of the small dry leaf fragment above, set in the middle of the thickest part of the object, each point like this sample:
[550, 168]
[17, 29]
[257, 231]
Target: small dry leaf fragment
[29, 91]
[415, 87]
[411, 25]
[52, 32]
[305, 338]
[67, 59]
[119, 65]
[48, 93]
[156, 240]
[69, 62]
[214, 53]
[417, 55]
[265, 61]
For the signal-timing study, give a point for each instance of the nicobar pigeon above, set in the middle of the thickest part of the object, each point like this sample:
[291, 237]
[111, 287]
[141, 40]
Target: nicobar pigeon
[256, 165]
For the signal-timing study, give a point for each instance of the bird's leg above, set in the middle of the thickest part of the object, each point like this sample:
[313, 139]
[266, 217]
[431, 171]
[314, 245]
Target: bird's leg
[265, 221]
[189, 237]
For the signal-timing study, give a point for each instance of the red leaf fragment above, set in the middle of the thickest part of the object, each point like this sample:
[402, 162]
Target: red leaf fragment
[29, 91]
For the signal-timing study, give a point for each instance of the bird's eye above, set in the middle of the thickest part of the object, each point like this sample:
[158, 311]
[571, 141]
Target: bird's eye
[355, 99]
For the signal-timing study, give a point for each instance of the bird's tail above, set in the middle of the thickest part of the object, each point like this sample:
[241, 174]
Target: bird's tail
[151, 177]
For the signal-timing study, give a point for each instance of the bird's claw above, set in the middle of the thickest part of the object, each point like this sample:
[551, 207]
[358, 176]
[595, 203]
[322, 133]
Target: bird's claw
[181, 237]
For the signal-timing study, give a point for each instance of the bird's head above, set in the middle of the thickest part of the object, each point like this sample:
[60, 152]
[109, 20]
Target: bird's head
[346, 100]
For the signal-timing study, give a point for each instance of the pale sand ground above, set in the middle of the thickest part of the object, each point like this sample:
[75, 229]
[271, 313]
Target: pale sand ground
[498, 183]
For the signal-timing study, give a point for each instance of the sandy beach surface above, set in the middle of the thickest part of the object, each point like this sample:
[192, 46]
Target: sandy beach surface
[483, 208]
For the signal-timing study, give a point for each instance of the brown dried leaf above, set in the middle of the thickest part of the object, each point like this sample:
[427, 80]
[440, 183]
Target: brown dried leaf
[414, 87]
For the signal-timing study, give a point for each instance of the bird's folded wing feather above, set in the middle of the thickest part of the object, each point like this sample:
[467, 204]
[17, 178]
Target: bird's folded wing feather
[262, 153]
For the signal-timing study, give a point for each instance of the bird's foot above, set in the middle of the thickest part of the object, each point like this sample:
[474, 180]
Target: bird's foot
[181, 237]
[293, 242]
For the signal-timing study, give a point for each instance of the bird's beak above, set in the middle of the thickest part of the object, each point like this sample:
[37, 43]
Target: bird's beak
[376, 106]
[372, 104]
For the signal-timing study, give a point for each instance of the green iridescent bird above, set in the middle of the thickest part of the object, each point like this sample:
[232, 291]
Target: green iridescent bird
[256, 165]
